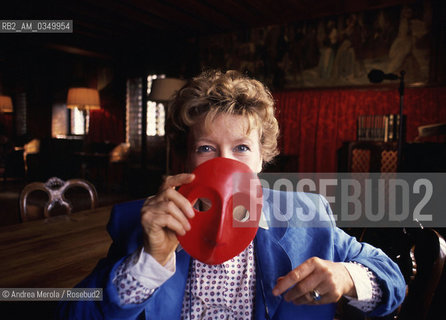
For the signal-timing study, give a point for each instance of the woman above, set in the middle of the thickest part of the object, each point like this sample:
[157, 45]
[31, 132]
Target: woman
[285, 273]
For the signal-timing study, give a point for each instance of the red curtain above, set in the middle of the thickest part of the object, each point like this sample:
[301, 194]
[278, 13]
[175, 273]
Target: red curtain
[315, 123]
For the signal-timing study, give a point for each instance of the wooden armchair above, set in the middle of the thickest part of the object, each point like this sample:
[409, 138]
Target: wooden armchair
[420, 253]
[55, 189]
[429, 255]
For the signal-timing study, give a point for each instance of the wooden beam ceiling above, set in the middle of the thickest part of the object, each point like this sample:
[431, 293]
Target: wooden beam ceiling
[107, 24]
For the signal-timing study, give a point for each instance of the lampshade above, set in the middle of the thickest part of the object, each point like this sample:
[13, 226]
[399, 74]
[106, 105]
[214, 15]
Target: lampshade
[163, 89]
[5, 104]
[83, 98]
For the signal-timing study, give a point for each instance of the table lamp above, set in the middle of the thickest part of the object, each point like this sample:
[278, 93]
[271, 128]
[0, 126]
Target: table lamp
[6, 104]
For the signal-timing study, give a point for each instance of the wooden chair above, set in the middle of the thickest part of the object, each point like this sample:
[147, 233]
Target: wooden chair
[55, 189]
[420, 253]
[429, 256]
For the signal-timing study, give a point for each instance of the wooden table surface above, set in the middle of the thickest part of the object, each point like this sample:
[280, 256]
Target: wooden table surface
[53, 253]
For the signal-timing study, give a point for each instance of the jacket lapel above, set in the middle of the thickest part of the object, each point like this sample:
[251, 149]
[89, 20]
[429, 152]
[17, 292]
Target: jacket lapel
[167, 301]
[272, 261]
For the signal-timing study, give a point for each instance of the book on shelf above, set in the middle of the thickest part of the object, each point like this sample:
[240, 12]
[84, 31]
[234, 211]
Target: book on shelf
[378, 127]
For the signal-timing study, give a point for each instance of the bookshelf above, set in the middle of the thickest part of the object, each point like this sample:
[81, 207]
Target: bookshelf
[379, 127]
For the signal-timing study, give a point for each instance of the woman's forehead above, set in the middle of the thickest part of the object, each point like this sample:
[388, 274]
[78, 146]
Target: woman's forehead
[229, 125]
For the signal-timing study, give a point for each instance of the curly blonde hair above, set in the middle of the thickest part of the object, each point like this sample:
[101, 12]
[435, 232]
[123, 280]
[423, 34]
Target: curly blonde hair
[213, 93]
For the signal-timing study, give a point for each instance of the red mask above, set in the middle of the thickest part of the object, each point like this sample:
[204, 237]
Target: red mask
[217, 234]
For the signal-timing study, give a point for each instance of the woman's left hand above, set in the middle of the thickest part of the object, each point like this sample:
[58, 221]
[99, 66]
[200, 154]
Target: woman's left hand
[330, 279]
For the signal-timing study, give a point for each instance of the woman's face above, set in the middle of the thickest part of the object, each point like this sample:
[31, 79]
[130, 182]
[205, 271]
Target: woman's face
[226, 137]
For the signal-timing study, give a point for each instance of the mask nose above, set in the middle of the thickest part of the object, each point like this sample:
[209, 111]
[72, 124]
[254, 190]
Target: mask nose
[217, 235]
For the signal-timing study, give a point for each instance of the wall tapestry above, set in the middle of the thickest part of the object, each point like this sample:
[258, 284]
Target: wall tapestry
[330, 51]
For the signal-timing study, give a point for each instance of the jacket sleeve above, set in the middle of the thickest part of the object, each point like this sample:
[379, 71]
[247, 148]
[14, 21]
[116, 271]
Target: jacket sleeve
[388, 274]
[124, 228]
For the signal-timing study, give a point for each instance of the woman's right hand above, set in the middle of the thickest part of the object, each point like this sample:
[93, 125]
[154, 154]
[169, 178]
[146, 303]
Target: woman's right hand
[165, 215]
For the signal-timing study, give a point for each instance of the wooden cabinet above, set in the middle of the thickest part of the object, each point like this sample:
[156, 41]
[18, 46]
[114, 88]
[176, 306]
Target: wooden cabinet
[371, 156]
[368, 156]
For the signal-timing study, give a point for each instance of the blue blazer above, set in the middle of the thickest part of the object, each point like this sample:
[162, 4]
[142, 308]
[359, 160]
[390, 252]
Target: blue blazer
[290, 240]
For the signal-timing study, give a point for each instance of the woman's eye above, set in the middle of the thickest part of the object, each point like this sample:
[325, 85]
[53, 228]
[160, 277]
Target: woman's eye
[242, 148]
[202, 149]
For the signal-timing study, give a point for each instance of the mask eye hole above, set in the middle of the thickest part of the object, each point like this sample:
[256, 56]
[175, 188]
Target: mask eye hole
[202, 204]
[240, 213]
